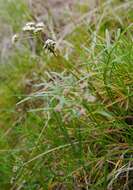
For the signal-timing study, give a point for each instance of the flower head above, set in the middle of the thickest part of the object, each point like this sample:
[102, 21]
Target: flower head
[31, 24]
[40, 25]
[50, 45]
[14, 38]
[37, 30]
[28, 28]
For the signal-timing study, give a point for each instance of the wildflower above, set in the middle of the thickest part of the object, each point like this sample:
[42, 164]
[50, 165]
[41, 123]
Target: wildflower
[31, 24]
[15, 38]
[40, 25]
[37, 30]
[50, 45]
[28, 28]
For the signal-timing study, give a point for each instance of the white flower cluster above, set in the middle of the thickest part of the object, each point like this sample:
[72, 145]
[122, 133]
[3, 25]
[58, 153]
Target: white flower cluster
[36, 28]
[30, 27]
[33, 27]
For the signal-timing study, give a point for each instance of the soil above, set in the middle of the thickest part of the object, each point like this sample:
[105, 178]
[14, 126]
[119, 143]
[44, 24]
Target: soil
[56, 12]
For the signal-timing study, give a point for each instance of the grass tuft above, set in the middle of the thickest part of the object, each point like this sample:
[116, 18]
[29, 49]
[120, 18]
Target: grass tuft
[66, 115]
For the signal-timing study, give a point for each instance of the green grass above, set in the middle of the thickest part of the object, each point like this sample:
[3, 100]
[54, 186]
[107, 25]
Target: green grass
[66, 121]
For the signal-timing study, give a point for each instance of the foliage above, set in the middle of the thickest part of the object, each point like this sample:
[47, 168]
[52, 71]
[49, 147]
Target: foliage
[66, 118]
